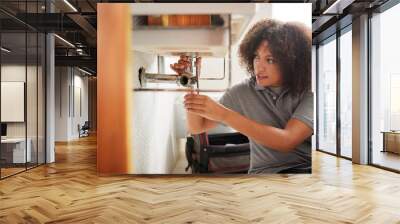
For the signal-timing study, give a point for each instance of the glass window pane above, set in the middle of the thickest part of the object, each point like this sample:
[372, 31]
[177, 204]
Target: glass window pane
[313, 88]
[346, 94]
[31, 87]
[385, 114]
[327, 96]
[41, 98]
[22, 89]
[31, 97]
[13, 87]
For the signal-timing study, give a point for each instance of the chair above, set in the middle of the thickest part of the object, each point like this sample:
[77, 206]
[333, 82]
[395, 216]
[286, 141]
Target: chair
[218, 153]
[84, 130]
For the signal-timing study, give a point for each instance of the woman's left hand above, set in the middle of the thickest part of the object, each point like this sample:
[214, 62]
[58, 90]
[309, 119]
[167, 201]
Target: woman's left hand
[204, 106]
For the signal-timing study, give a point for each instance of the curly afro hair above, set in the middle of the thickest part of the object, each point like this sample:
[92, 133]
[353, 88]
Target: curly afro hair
[290, 45]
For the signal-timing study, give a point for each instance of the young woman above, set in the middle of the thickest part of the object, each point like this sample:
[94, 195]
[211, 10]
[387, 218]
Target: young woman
[274, 106]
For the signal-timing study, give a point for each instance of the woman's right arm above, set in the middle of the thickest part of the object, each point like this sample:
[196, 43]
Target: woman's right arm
[197, 124]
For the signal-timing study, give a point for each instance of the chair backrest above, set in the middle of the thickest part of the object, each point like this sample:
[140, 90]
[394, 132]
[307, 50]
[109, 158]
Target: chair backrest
[86, 125]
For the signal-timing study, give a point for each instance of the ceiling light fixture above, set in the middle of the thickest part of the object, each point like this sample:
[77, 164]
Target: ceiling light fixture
[5, 50]
[65, 41]
[70, 5]
[84, 71]
[80, 51]
[337, 7]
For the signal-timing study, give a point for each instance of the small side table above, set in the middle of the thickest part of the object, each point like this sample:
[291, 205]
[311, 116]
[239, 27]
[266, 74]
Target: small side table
[391, 141]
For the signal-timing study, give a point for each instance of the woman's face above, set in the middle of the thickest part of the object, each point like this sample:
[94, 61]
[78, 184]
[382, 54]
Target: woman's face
[266, 68]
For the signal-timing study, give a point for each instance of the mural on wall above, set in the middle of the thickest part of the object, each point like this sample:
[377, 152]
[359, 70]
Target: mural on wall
[220, 90]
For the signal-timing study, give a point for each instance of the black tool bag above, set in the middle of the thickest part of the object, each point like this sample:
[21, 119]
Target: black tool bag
[218, 153]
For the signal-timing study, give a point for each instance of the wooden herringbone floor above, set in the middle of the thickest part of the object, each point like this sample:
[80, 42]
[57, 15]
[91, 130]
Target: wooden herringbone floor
[70, 191]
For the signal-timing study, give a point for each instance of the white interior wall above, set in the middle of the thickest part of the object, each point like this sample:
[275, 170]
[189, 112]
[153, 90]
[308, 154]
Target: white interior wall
[11, 73]
[80, 111]
[68, 82]
[61, 103]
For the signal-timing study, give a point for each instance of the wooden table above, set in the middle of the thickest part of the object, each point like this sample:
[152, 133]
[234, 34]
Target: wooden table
[391, 141]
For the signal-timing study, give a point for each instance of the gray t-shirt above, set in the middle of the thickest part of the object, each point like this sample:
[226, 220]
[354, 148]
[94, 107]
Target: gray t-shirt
[274, 107]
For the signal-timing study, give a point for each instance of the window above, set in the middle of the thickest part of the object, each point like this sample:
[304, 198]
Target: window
[327, 96]
[346, 92]
[22, 65]
[385, 89]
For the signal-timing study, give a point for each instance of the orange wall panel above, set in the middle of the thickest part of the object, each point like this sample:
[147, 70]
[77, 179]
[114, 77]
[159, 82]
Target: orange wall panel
[114, 89]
